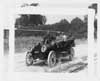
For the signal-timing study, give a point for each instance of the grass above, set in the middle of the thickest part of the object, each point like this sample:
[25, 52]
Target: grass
[22, 44]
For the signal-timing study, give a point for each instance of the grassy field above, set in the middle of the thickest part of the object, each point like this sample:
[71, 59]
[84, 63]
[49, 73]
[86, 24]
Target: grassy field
[23, 44]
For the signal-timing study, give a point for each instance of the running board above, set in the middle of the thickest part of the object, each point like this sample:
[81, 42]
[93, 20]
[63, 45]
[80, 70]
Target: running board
[38, 61]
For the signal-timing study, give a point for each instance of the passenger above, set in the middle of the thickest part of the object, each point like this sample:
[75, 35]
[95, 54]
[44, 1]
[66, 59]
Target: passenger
[63, 36]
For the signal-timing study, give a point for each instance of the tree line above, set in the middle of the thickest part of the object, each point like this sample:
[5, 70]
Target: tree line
[77, 26]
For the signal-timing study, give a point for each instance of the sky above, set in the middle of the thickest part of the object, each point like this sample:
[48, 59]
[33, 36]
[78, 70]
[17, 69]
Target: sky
[56, 18]
[48, 6]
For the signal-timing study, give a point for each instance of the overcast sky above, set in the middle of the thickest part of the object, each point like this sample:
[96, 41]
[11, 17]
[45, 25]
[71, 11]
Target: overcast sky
[56, 18]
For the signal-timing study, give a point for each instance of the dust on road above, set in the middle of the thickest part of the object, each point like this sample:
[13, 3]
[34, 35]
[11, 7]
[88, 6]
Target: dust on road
[78, 64]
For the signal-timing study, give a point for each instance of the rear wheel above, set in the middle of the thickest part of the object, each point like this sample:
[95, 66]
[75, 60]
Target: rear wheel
[29, 59]
[72, 52]
[51, 61]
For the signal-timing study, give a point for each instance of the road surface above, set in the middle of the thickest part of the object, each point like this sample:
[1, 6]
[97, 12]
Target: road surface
[78, 64]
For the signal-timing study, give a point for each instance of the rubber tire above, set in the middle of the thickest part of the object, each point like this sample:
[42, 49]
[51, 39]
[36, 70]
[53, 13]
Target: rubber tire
[72, 52]
[29, 59]
[51, 61]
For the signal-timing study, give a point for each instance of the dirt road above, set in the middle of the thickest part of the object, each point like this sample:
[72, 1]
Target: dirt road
[78, 64]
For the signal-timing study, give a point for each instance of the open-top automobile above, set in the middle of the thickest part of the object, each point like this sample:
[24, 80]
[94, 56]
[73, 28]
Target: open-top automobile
[51, 49]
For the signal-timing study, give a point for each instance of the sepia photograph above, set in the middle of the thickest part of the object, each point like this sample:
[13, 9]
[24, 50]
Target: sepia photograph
[50, 37]
[51, 42]
[60, 45]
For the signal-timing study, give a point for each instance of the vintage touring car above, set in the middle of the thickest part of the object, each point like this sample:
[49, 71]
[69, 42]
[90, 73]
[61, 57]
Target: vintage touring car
[51, 49]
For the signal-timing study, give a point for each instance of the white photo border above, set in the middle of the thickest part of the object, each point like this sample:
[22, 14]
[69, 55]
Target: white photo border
[17, 76]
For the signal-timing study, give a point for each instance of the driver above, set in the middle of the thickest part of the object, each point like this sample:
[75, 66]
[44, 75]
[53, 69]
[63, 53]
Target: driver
[49, 38]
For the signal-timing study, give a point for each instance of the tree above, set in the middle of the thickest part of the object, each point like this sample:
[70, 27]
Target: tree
[30, 20]
[86, 19]
[76, 24]
[86, 22]
[62, 25]
[64, 21]
[78, 27]
[37, 20]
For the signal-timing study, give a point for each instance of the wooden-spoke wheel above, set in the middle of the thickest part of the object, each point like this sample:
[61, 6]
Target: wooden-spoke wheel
[29, 59]
[51, 61]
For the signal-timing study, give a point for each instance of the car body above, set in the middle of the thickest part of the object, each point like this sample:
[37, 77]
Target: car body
[50, 50]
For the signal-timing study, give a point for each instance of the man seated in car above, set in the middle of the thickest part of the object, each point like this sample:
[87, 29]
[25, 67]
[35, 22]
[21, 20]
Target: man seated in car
[49, 38]
[61, 37]
[64, 37]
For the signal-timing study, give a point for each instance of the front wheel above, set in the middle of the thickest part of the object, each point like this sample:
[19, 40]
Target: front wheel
[29, 59]
[72, 52]
[51, 61]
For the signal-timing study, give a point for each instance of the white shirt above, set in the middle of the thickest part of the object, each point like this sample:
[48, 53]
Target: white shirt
[64, 37]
